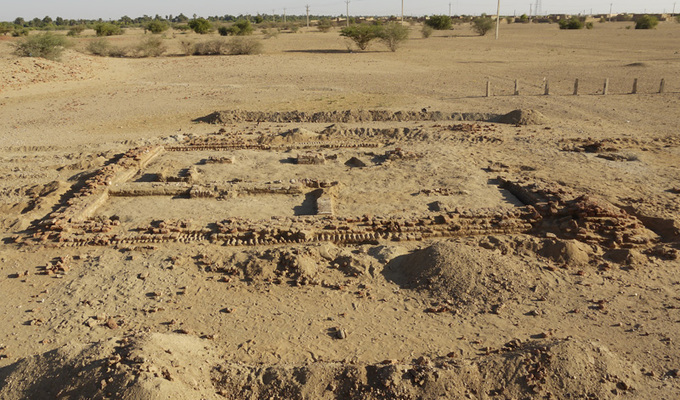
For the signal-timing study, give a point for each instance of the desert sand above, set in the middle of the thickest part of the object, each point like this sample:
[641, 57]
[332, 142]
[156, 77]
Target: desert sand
[312, 222]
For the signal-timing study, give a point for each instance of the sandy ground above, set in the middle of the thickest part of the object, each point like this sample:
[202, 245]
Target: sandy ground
[211, 320]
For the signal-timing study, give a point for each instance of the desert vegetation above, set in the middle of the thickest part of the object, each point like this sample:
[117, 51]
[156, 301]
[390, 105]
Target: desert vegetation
[439, 22]
[646, 22]
[482, 25]
[571, 23]
[46, 45]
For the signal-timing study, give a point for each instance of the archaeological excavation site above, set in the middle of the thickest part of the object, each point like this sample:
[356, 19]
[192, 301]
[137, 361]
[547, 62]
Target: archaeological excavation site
[191, 228]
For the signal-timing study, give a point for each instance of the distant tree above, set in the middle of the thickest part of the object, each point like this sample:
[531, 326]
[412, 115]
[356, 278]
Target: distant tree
[19, 22]
[200, 25]
[439, 22]
[361, 34]
[47, 20]
[393, 34]
[156, 26]
[242, 27]
[181, 18]
[258, 19]
[646, 22]
[107, 29]
[59, 21]
[571, 23]
[482, 25]
[36, 23]
[125, 20]
[75, 30]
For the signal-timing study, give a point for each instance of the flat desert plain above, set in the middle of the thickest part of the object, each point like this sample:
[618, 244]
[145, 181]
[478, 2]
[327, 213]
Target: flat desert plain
[312, 222]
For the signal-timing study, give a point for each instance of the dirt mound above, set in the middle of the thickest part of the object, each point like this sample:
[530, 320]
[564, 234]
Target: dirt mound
[562, 368]
[570, 252]
[446, 270]
[160, 366]
[234, 116]
[156, 366]
[559, 369]
[523, 117]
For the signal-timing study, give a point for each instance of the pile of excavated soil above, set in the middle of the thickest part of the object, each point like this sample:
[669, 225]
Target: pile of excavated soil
[524, 117]
[154, 366]
[234, 116]
[460, 273]
[161, 366]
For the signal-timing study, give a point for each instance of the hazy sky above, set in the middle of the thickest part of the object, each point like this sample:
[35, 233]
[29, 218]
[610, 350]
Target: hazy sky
[114, 9]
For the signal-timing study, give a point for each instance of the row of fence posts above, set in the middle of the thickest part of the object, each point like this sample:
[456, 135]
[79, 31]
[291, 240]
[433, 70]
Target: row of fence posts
[605, 89]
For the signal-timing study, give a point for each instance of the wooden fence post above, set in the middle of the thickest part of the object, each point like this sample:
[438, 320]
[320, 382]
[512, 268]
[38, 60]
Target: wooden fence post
[547, 88]
[516, 87]
[635, 83]
[605, 89]
[488, 88]
[662, 86]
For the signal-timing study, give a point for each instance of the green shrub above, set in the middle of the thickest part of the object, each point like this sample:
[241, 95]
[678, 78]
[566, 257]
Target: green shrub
[156, 26]
[482, 25]
[75, 30]
[200, 26]
[150, 47]
[324, 25]
[646, 22]
[393, 34]
[18, 32]
[241, 27]
[45, 45]
[589, 25]
[5, 28]
[107, 29]
[362, 34]
[427, 31]
[439, 22]
[182, 27]
[243, 46]
[510, 20]
[524, 19]
[571, 23]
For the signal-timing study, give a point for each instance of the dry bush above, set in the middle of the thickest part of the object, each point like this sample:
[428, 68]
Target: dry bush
[188, 47]
[209, 48]
[243, 46]
[150, 47]
[427, 31]
[45, 45]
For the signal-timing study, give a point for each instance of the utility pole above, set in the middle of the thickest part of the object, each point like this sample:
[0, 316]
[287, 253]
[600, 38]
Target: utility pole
[402, 12]
[530, 11]
[610, 11]
[307, 7]
[498, 17]
[284, 15]
[449, 9]
[673, 8]
[347, 3]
